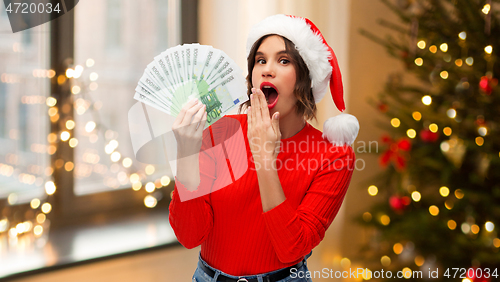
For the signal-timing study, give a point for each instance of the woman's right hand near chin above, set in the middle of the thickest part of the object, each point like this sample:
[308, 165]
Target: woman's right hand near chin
[188, 131]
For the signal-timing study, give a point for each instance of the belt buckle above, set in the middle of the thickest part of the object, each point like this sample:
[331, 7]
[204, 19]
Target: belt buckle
[242, 280]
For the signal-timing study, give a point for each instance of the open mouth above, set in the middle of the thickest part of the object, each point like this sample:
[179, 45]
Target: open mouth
[271, 93]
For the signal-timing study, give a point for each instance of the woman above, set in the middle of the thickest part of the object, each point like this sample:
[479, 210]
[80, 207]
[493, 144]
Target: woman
[265, 222]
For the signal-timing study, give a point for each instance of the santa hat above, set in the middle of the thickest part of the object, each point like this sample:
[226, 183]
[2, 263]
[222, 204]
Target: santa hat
[323, 68]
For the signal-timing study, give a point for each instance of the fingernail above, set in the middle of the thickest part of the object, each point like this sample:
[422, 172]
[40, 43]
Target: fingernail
[253, 90]
[251, 96]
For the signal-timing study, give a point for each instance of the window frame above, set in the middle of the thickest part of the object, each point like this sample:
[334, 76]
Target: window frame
[68, 208]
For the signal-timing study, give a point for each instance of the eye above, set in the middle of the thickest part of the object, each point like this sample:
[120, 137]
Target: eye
[260, 61]
[284, 61]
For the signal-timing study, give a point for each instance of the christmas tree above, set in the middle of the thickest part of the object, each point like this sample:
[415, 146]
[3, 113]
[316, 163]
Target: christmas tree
[438, 197]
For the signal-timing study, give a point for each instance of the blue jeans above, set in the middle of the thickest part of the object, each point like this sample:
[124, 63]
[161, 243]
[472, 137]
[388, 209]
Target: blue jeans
[200, 276]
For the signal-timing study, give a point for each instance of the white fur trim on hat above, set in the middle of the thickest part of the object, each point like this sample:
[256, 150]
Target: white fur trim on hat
[310, 46]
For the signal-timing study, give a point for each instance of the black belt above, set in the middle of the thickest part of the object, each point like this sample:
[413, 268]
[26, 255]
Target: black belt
[282, 274]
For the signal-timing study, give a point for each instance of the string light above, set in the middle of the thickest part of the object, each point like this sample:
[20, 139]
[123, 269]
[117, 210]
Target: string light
[427, 100]
[65, 136]
[486, 9]
[416, 116]
[474, 228]
[419, 261]
[367, 216]
[411, 133]
[397, 248]
[165, 180]
[449, 204]
[419, 62]
[462, 35]
[70, 124]
[345, 263]
[444, 74]
[469, 61]
[433, 210]
[452, 224]
[433, 127]
[444, 191]
[46, 208]
[372, 190]
[482, 131]
[459, 194]
[489, 226]
[458, 62]
[480, 141]
[51, 101]
[496, 243]
[488, 49]
[385, 261]
[150, 187]
[38, 230]
[421, 44]
[90, 63]
[127, 162]
[443, 47]
[407, 273]
[433, 49]
[50, 188]
[75, 89]
[35, 203]
[385, 220]
[93, 76]
[150, 169]
[150, 201]
[68, 166]
[40, 218]
[451, 113]
[115, 157]
[136, 186]
[70, 72]
[78, 71]
[73, 142]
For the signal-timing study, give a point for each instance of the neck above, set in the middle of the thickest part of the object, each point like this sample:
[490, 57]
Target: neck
[291, 125]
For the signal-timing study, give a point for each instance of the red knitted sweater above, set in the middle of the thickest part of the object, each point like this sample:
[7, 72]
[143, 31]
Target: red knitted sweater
[236, 236]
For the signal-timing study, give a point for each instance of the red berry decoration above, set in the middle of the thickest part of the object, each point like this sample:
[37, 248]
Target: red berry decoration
[428, 136]
[476, 274]
[487, 84]
[398, 204]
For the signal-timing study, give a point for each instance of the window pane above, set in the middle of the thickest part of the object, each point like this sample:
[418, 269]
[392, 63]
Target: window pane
[114, 48]
[24, 123]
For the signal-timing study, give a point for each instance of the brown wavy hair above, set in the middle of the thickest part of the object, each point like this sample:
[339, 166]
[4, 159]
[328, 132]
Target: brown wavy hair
[303, 92]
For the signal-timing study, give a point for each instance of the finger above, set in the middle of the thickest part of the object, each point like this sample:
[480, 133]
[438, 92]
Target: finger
[263, 104]
[276, 124]
[198, 116]
[203, 120]
[249, 119]
[182, 113]
[257, 107]
[190, 113]
[253, 109]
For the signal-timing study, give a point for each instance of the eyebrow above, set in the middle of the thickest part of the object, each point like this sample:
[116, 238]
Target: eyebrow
[279, 53]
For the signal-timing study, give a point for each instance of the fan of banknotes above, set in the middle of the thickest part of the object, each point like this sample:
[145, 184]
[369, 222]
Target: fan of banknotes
[190, 71]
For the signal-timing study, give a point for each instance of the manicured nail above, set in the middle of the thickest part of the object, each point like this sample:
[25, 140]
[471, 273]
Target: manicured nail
[253, 90]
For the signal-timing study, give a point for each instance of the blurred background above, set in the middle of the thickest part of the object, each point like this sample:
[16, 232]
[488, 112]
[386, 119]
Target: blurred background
[420, 76]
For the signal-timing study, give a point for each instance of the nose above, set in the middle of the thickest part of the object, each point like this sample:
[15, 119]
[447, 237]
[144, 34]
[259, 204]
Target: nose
[269, 70]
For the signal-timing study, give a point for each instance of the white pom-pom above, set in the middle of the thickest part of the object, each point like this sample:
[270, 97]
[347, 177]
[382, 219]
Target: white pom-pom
[341, 129]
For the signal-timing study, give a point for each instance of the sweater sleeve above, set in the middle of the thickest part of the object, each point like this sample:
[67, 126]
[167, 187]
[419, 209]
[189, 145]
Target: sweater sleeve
[192, 217]
[294, 232]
